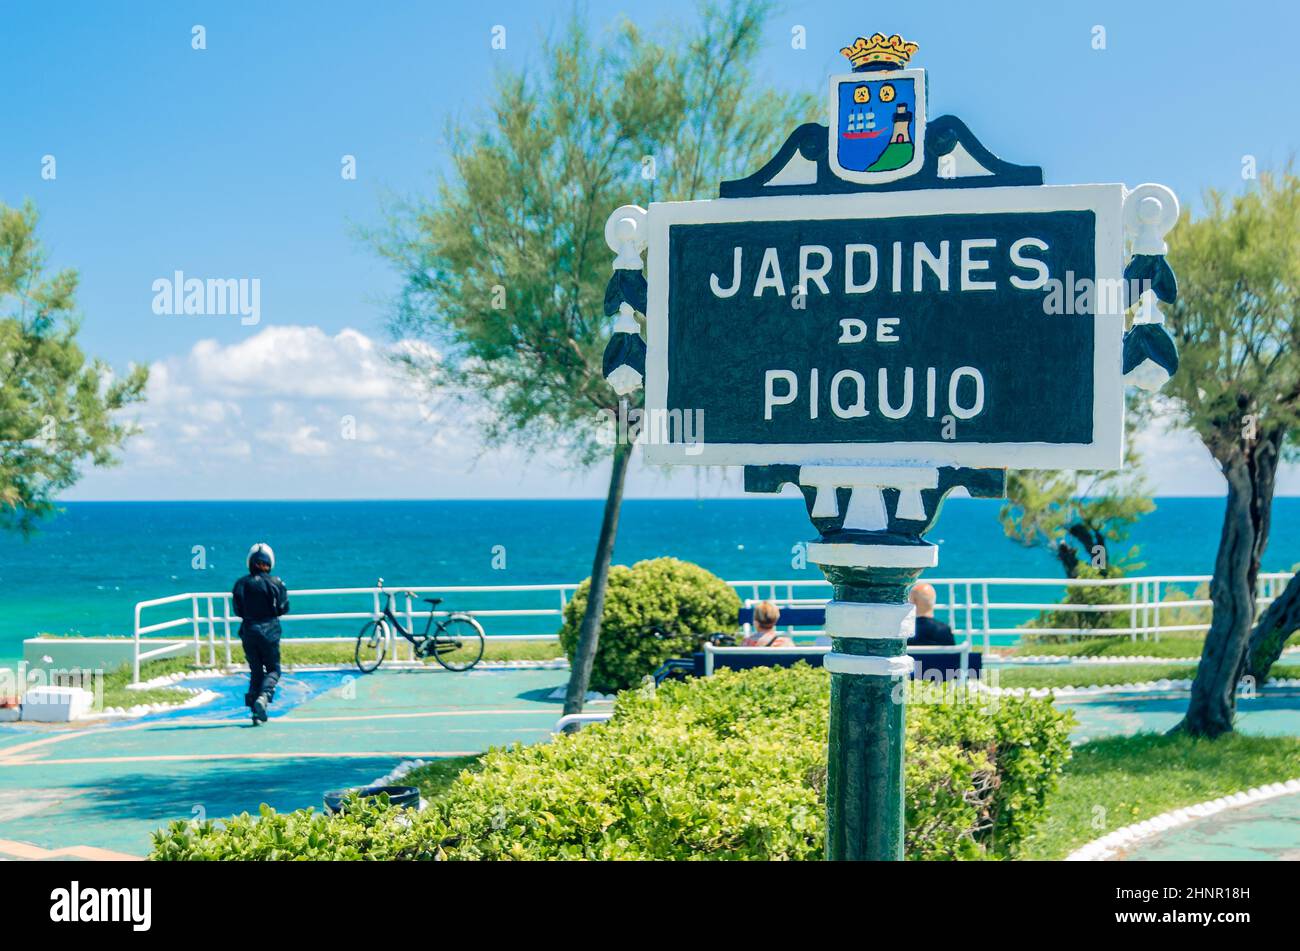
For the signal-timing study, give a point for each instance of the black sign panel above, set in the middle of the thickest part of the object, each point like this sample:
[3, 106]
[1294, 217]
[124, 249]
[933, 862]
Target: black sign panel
[926, 337]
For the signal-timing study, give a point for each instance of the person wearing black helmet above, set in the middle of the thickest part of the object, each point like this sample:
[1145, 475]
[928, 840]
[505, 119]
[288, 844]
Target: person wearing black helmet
[260, 600]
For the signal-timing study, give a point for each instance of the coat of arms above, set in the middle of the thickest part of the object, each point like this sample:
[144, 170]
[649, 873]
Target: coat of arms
[877, 129]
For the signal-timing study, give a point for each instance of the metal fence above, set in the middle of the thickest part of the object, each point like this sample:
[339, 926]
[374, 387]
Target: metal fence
[208, 617]
[994, 611]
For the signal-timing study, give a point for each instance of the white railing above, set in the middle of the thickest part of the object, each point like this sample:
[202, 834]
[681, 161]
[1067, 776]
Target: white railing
[209, 616]
[987, 609]
[972, 606]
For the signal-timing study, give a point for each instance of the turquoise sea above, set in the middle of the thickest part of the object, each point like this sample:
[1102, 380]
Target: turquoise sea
[86, 568]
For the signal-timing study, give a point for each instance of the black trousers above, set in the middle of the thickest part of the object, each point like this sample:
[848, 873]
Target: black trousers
[263, 655]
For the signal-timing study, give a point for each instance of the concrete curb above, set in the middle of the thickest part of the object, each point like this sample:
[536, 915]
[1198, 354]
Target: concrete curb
[198, 699]
[1109, 846]
[1149, 686]
[1066, 660]
[1291, 653]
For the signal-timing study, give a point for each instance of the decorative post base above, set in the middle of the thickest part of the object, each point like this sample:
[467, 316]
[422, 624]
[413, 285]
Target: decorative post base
[869, 623]
[872, 559]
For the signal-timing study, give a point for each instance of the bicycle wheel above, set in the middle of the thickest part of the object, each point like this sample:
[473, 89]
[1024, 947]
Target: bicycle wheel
[459, 645]
[372, 642]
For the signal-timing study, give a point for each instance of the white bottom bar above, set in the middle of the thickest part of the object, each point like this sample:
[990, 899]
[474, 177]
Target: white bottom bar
[849, 555]
[850, 619]
[868, 664]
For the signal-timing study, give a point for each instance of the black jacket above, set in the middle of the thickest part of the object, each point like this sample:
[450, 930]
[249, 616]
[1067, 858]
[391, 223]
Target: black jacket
[931, 633]
[260, 600]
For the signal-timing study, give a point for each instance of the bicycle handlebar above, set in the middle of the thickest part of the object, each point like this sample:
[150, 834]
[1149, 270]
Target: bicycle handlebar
[409, 593]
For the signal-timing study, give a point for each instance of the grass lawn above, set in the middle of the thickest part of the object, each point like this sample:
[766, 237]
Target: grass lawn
[1118, 781]
[495, 649]
[1169, 645]
[1101, 676]
[116, 693]
[434, 778]
[343, 653]
[1185, 645]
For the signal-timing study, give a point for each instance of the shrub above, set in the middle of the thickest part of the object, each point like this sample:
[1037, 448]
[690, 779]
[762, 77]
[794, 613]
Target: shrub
[1083, 620]
[726, 767]
[682, 600]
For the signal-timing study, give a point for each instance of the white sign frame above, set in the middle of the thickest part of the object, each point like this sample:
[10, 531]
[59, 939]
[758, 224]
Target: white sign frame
[1105, 451]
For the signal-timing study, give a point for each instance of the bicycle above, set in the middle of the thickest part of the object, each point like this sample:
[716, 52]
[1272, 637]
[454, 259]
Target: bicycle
[457, 644]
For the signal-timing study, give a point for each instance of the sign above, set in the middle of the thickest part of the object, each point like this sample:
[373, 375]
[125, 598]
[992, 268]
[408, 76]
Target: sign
[877, 133]
[883, 312]
[969, 327]
[879, 130]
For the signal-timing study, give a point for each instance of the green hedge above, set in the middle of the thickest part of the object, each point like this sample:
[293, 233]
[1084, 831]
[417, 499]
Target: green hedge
[680, 599]
[727, 767]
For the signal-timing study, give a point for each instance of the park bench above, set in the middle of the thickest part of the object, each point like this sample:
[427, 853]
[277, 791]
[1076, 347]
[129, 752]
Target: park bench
[935, 661]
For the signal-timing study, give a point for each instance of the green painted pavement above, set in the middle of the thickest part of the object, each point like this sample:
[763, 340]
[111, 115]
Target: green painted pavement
[1269, 830]
[110, 786]
[1271, 712]
[1263, 831]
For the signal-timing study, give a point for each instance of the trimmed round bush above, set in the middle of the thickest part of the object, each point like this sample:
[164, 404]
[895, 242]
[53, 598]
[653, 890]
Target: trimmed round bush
[731, 766]
[681, 599]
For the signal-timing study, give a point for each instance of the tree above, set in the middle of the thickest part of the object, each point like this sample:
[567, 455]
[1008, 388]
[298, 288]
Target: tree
[1280, 620]
[1238, 388]
[1078, 516]
[57, 410]
[504, 271]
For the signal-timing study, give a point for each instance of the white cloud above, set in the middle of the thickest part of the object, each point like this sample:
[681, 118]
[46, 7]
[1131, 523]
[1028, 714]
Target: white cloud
[1176, 462]
[307, 413]
[293, 412]
[296, 362]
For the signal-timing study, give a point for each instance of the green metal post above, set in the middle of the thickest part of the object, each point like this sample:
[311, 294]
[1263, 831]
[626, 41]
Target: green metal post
[869, 623]
[870, 522]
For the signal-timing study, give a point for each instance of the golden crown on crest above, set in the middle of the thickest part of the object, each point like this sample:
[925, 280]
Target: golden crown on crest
[892, 51]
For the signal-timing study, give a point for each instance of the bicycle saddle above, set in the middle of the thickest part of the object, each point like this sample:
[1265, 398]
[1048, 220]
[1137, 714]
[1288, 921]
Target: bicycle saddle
[434, 601]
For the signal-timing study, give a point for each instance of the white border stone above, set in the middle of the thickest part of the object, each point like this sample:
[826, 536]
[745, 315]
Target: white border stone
[1109, 846]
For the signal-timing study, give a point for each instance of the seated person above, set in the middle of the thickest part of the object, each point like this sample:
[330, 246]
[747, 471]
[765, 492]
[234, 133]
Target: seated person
[766, 614]
[929, 632]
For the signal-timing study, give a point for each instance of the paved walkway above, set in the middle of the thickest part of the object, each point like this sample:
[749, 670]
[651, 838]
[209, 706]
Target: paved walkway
[1270, 713]
[1264, 831]
[99, 792]
[1269, 830]
[67, 792]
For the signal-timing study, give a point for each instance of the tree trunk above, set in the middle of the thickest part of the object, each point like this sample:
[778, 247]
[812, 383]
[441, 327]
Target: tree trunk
[1068, 558]
[1213, 703]
[1090, 540]
[589, 632]
[1278, 622]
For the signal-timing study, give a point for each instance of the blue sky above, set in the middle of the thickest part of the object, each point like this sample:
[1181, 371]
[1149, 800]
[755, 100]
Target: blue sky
[225, 162]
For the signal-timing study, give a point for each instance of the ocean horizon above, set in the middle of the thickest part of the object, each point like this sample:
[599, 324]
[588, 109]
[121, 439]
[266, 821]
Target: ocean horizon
[87, 566]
